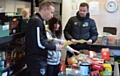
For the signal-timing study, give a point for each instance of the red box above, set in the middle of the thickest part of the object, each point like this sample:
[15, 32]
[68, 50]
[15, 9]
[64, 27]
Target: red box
[97, 67]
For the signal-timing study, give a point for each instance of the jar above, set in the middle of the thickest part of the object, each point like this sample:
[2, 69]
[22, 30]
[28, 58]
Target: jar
[104, 40]
[84, 69]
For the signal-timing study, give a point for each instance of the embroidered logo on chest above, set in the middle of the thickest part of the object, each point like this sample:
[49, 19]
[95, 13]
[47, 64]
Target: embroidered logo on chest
[85, 24]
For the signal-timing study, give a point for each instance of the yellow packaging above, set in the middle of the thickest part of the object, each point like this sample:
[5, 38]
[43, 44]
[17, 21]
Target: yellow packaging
[107, 67]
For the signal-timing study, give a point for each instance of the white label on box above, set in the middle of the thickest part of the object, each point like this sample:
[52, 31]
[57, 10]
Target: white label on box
[5, 27]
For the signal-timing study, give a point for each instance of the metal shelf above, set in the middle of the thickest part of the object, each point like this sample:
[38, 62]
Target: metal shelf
[10, 38]
[12, 69]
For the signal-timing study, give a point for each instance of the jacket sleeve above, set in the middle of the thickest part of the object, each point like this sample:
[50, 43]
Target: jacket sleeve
[93, 31]
[67, 30]
[41, 37]
[68, 48]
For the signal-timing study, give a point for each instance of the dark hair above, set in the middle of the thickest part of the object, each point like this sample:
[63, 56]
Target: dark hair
[45, 4]
[51, 23]
[84, 4]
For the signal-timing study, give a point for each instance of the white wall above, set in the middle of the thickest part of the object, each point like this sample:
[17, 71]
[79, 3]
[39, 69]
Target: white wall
[12, 5]
[66, 14]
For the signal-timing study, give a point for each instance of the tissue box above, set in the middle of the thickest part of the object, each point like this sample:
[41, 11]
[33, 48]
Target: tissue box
[4, 30]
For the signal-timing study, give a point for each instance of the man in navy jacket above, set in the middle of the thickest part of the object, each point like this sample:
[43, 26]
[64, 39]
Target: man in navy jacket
[79, 27]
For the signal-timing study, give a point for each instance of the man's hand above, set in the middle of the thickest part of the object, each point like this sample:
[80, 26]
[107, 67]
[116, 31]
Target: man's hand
[74, 41]
[59, 47]
[89, 41]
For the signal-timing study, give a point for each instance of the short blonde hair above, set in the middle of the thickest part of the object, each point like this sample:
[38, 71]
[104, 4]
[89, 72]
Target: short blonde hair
[45, 4]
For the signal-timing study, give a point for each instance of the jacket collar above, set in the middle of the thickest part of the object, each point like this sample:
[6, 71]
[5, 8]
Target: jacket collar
[82, 18]
[39, 16]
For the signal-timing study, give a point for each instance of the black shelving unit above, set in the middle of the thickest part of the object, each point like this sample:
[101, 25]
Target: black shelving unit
[13, 68]
[10, 38]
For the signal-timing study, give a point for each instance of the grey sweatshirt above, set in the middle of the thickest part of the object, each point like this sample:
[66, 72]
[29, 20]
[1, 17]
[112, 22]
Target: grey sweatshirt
[54, 56]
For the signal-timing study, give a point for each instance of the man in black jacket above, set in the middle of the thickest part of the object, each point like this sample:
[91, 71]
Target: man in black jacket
[81, 27]
[37, 45]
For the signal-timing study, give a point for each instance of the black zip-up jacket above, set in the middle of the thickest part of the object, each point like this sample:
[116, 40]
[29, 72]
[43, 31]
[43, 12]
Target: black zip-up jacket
[80, 28]
[35, 38]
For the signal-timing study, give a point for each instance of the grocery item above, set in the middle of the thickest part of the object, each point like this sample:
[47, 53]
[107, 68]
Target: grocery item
[105, 54]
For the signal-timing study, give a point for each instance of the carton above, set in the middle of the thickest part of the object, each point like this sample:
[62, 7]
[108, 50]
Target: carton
[105, 54]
